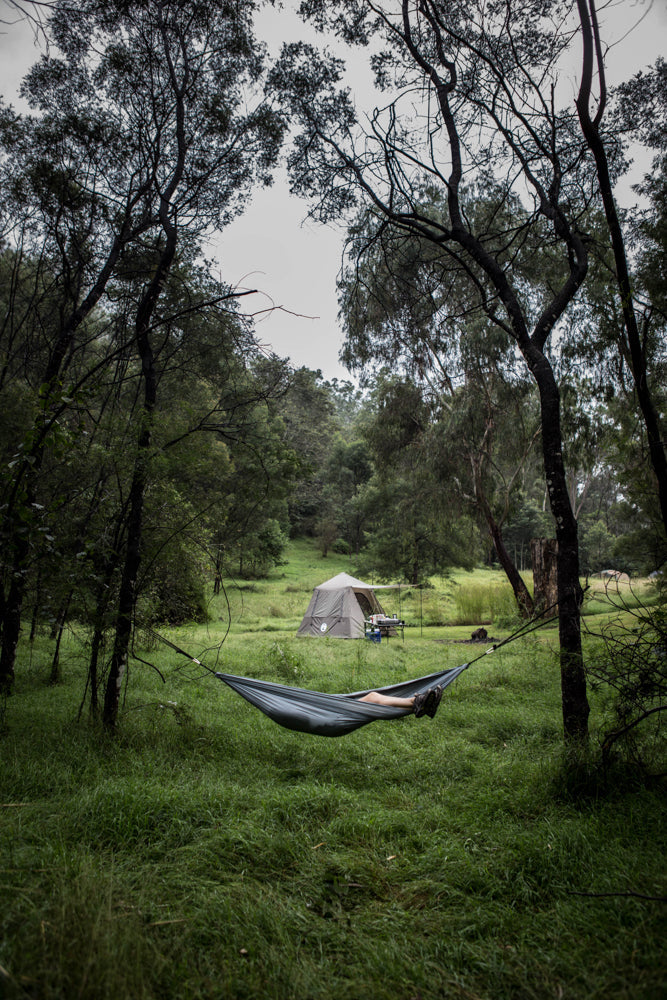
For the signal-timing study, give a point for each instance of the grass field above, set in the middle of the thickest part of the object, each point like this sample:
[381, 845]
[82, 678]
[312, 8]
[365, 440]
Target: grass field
[205, 852]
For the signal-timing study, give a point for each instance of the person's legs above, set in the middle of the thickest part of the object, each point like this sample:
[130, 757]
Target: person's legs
[421, 704]
[385, 699]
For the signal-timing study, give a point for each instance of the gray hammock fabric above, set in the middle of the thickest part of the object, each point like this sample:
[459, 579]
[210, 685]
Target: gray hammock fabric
[330, 714]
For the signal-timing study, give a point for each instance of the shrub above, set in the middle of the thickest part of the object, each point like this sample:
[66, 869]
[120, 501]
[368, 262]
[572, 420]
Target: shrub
[629, 666]
[286, 663]
[176, 593]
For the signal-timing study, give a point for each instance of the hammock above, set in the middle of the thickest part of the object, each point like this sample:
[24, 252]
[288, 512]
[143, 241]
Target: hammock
[324, 714]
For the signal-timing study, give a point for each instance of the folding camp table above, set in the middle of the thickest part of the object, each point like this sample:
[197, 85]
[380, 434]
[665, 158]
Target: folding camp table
[383, 625]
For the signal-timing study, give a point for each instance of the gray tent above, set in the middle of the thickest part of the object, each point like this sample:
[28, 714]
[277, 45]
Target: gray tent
[339, 607]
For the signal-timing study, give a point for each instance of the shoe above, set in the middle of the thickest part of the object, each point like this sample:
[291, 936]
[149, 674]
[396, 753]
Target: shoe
[419, 705]
[432, 701]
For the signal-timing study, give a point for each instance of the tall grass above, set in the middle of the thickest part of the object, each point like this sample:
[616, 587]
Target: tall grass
[486, 603]
[205, 852]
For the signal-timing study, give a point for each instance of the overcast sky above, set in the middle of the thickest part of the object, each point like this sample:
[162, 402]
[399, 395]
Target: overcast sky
[295, 262]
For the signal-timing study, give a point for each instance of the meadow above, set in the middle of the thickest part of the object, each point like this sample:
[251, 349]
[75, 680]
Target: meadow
[204, 852]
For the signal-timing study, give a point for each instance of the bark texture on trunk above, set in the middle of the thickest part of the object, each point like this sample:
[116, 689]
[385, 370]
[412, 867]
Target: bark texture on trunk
[570, 595]
[544, 556]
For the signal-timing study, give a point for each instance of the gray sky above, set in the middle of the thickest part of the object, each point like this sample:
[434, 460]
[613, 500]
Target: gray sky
[295, 262]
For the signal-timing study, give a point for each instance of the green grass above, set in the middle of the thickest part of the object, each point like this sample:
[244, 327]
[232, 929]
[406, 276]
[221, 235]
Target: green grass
[462, 598]
[279, 603]
[207, 853]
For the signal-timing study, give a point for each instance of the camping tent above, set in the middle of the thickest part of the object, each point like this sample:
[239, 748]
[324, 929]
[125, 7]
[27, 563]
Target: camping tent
[339, 607]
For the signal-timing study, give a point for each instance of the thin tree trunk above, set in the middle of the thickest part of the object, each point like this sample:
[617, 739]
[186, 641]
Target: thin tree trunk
[102, 599]
[127, 594]
[93, 673]
[55, 662]
[593, 61]
[478, 458]
[521, 593]
[36, 606]
[128, 583]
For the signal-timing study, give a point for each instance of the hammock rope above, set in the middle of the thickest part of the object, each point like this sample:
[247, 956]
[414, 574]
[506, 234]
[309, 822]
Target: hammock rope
[323, 714]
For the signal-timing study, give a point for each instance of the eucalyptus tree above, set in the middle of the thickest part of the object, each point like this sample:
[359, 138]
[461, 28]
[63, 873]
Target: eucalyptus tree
[604, 425]
[651, 267]
[648, 102]
[218, 471]
[348, 468]
[307, 410]
[415, 522]
[150, 130]
[263, 471]
[40, 424]
[489, 428]
[471, 96]
[402, 305]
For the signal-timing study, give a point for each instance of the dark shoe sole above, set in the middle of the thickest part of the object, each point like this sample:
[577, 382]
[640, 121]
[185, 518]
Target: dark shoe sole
[419, 705]
[432, 701]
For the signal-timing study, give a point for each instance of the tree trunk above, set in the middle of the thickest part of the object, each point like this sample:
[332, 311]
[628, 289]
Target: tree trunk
[37, 605]
[61, 621]
[128, 583]
[104, 572]
[521, 593]
[12, 606]
[127, 594]
[544, 553]
[93, 673]
[570, 595]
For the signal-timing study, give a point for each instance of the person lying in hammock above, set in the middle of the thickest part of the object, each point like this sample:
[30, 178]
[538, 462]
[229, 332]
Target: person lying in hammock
[421, 704]
[327, 714]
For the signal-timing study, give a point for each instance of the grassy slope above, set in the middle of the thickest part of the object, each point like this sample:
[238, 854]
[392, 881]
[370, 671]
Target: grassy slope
[206, 852]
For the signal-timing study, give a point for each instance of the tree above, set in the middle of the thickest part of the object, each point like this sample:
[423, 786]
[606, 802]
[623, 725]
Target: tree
[217, 465]
[348, 468]
[263, 472]
[307, 411]
[49, 362]
[491, 425]
[473, 92]
[603, 425]
[397, 307]
[591, 119]
[149, 106]
[415, 525]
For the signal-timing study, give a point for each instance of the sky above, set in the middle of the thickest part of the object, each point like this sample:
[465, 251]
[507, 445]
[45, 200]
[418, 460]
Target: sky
[273, 247]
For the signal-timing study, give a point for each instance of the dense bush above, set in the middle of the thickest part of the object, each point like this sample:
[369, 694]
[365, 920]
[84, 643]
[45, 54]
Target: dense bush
[629, 664]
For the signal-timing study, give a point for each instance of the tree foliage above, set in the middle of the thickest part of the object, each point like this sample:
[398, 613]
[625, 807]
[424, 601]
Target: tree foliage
[146, 135]
[469, 104]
